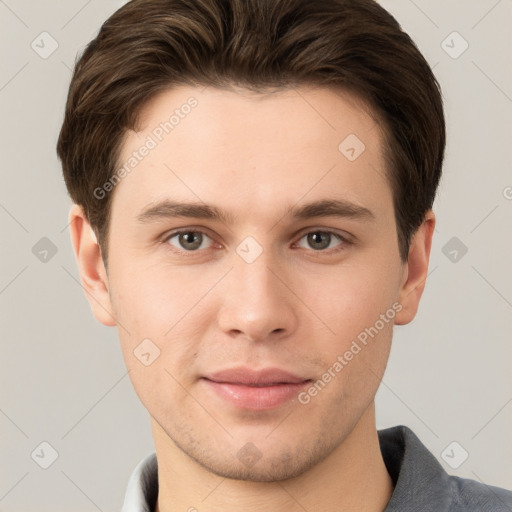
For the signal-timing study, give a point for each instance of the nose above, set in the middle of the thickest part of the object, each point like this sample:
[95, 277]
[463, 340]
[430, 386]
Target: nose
[257, 302]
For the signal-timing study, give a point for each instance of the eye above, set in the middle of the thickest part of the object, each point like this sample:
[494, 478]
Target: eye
[188, 240]
[321, 240]
[191, 240]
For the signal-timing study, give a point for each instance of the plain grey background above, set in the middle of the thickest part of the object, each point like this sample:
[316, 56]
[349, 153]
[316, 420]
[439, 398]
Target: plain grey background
[63, 380]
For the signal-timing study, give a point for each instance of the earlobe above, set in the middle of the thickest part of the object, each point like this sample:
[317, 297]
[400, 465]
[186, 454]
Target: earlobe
[92, 271]
[415, 270]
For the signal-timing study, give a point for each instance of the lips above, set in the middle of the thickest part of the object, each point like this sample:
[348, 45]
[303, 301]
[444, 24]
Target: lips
[256, 389]
[249, 377]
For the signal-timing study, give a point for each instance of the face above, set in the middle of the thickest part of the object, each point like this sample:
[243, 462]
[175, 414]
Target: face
[256, 323]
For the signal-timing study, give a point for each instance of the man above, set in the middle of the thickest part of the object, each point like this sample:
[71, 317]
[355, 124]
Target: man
[253, 184]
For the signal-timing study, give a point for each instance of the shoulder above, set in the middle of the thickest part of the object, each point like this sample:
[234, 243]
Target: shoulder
[471, 495]
[421, 484]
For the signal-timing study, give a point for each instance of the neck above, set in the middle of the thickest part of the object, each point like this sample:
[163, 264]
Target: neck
[352, 477]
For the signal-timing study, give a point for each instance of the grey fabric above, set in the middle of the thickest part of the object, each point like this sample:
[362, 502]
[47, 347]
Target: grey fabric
[421, 483]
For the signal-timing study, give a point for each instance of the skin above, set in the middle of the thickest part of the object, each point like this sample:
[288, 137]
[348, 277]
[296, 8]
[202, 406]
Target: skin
[295, 307]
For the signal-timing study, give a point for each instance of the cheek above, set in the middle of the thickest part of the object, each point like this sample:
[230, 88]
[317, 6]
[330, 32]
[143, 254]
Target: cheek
[160, 318]
[357, 306]
[350, 299]
[152, 300]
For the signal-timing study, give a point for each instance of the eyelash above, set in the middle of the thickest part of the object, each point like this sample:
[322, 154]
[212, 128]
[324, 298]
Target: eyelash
[342, 246]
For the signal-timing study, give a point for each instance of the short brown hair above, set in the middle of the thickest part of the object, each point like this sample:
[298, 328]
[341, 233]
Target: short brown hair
[149, 46]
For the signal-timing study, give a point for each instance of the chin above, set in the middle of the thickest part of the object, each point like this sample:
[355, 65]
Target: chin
[262, 471]
[273, 463]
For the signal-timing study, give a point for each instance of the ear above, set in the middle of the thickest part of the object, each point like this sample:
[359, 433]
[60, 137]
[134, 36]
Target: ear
[415, 270]
[92, 271]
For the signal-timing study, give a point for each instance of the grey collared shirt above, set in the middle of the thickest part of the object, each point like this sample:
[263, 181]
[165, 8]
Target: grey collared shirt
[421, 484]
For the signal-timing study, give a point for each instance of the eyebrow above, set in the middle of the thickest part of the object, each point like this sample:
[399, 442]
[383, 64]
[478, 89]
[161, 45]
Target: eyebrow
[323, 208]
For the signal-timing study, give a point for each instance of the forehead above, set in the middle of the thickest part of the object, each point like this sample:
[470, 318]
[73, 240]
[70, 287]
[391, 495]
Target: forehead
[253, 149]
[220, 113]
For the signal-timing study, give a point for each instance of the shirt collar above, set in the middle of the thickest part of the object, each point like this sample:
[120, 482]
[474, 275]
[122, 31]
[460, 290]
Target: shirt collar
[417, 475]
[142, 490]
